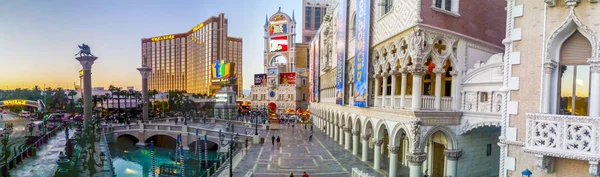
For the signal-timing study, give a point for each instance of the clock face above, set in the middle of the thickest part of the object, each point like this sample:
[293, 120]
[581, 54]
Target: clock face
[272, 94]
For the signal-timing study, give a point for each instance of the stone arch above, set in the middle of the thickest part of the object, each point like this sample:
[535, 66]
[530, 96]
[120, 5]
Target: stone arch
[368, 127]
[349, 121]
[467, 127]
[159, 138]
[357, 125]
[379, 129]
[397, 133]
[211, 145]
[444, 130]
[563, 32]
[134, 139]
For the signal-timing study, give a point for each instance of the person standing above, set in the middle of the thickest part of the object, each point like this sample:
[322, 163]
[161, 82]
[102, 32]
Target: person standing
[273, 140]
[304, 174]
[291, 174]
[278, 141]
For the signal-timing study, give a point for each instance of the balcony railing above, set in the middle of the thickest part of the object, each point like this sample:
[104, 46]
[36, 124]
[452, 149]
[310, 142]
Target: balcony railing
[427, 102]
[563, 136]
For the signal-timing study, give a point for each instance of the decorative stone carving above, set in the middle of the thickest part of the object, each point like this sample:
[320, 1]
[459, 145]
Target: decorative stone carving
[417, 69]
[594, 169]
[415, 131]
[549, 67]
[439, 70]
[356, 132]
[454, 73]
[594, 65]
[393, 150]
[572, 2]
[377, 142]
[366, 137]
[416, 159]
[545, 163]
[347, 130]
[453, 154]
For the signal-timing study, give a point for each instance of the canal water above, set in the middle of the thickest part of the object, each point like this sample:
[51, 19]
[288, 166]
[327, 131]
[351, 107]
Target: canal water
[137, 161]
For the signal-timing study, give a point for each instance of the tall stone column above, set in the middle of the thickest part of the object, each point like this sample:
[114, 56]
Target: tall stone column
[355, 140]
[384, 91]
[417, 74]
[393, 94]
[393, 160]
[145, 72]
[594, 87]
[376, 94]
[335, 132]
[365, 147]
[341, 138]
[438, 87]
[377, 154]
[415, 163]
[549, 67]
[347, 139]
[87, 62]
[403, 87]
[455, 97]
[452, 158]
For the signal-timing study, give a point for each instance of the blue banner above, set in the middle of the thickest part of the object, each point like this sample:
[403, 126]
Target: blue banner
[341, 53]
[317, 69]
[361, 55]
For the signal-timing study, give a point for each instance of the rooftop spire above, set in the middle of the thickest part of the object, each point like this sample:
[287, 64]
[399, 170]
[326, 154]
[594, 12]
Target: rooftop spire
[279, 9]
[293, 16]
[266, 19]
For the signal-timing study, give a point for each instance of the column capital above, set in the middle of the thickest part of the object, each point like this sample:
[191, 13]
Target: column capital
[366, 137]
[453, 154]
[347, 130]
[416, 69]
[393, 149]
[549, 66]
[454, 73]
[86, 61]
[377, 142]
[439, 70]
[416, 159]
[145, 71]
[403, 70]
[594, 65]
[356, 132]
[594, 168]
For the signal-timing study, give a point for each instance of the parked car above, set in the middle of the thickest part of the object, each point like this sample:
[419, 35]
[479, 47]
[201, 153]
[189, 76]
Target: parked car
[25, 114]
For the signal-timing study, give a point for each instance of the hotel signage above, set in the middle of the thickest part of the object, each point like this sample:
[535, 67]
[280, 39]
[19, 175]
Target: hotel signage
[198, 27]
[160, 38]
[14, 102]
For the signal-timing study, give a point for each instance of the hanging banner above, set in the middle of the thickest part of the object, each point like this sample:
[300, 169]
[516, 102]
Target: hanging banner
[287, 78]
[311, 73]
[260, 79]
[341, 53]
[317, 69]
[361, 55]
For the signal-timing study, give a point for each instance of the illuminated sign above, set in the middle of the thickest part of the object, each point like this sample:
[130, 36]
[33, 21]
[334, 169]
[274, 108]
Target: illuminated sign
[160, 38]
[287, 78]
[279, 44]
[277, 29]
[15, 102]
[81, 73]
[260, 79]
[278, 19]
[221, 97]
[198, 27]
[222, 72]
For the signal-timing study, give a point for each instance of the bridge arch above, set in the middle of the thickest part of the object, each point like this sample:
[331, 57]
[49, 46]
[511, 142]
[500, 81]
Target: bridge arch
[126, 141]
[211, 145]
[162, 140]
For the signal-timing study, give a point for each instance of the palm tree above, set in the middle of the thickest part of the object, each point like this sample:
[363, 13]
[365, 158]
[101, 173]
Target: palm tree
[72, 94]
[132, 94]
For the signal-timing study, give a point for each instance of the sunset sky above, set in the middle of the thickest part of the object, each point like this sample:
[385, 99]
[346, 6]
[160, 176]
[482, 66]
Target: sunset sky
[38, 39]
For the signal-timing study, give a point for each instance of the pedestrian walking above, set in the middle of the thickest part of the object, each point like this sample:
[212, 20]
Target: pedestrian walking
[310, 134]
[273, 140]
[304, 174]
[291, 174]
[278, 141]
[176, 120]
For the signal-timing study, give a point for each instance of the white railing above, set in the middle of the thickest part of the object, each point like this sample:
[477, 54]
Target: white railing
[407, 101]
[564, 136]
[427, 102]
[446, 103]
[377, 102]
[359, 173]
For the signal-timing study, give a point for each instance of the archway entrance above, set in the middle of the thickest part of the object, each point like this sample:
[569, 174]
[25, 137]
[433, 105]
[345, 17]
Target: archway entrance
[162, 141]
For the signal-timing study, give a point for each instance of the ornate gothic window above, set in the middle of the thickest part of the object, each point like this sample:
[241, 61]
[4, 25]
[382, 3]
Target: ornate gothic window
[574, 76]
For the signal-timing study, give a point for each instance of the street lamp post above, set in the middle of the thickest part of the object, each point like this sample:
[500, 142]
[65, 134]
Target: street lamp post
[232, 145]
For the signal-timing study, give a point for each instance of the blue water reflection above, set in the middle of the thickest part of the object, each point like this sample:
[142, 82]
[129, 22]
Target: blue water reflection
[137, 161]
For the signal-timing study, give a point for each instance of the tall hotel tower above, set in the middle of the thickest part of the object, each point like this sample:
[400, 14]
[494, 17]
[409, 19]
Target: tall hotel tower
[183, 61]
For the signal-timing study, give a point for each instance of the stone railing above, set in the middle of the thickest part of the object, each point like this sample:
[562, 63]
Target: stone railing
[563, 136]
[359, 173]
[427, 102]
[190, 130]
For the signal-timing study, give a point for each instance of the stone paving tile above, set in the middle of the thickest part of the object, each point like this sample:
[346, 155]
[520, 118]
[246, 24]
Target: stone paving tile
[321, 157]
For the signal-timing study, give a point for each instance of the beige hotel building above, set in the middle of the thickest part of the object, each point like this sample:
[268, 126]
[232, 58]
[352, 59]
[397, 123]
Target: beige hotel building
[182, 61]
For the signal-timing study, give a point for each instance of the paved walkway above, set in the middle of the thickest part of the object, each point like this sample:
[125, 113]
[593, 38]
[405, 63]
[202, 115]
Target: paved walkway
[321, 157]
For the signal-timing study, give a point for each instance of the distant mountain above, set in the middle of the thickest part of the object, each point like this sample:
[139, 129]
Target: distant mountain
[246, 92]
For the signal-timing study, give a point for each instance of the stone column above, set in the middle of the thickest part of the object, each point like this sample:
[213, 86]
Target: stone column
[438, 87]
[377, 154]
[549, 67]
[384, 91]
[403, 86]
[594, 87]
[335, 132]
[341, 135]
[393, 94]
[393, 160]
[594, 169]
[417, 74]
[365, 147]
[415, 161]
[87, 62]
[453, 88]
[355, 140]
[347, 139]
[376, 94]
[451, 159]
[145, 72]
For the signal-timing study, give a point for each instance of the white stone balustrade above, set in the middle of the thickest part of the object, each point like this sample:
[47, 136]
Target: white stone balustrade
[563, 136]
[427, 103]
